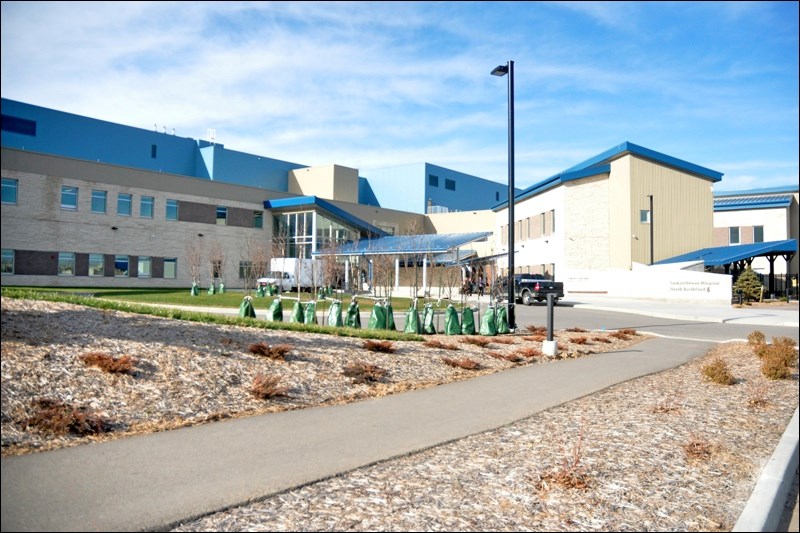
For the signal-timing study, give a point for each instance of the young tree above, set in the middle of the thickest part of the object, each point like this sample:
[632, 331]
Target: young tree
[194, 257]
[216, 262]
[254, 261]
[749, 285]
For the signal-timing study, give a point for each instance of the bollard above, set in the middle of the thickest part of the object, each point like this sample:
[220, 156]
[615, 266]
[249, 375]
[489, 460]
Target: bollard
[550, 347]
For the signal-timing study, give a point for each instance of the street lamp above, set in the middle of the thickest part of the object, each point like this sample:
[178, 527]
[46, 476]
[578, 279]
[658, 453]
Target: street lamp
[502, 70]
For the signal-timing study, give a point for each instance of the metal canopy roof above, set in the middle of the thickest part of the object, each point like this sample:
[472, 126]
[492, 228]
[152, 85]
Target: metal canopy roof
[725, 255]
[315, 202]
[407, 244]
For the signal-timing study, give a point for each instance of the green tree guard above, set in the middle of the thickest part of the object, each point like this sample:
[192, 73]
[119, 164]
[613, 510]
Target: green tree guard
[246, 308]
[501, 320]
[297, 313]
[467, 321]
[413, 324]
[335, 314]
[353, 319]
[310, 316]
[428, 326]
[275, 311]
[488, 324]
[377, 319]
[451, 325]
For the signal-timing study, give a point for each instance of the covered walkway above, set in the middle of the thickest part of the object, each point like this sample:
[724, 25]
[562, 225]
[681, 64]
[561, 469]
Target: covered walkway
[741, 256]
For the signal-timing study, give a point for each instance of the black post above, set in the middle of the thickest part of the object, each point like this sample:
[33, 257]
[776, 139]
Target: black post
[651, 227]
[502, 71]
[550, 307]
[512, 323]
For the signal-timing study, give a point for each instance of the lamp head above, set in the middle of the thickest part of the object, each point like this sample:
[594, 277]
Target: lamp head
[500, 70]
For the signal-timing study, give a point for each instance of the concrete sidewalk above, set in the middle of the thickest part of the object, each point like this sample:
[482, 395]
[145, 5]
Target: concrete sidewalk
[153, 482]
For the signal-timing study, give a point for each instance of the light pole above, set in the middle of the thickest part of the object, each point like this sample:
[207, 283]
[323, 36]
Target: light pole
[502, 70]
[651, 228]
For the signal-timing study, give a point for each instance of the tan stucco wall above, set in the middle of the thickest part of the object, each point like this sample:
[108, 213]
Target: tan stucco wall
[332, 182]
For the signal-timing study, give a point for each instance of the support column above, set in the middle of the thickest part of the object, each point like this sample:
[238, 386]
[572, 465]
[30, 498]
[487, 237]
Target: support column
[424, 274]
[347, 274]
[396, 273]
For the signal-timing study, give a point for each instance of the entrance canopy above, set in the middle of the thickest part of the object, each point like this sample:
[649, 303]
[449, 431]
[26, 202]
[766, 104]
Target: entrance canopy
[726, 255]
[407, 244]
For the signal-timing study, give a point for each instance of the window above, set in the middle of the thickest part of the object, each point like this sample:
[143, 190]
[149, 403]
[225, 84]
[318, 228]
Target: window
[222, 216]
[124, 202]
[170, 267]
[9, 191]
[121, 266]
[172, 210]
[69, 197]
[497, 196]
[450, 185]
[733, 235]
[66, 264]
[96, 265]
[19, 125]
[216, 269]
[541, 223]
[758, 233]
[146, 207]
[99, 201]
[153, 151]
[258, 219]
[7, 264]
[553, 221]
[644, 216]
[433, 181]
[144, 268]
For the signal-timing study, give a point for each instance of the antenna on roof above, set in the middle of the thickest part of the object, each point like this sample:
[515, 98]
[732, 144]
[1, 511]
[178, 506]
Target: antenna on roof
[173, 131]
[211, 135]
[155, 127]
[165, 129]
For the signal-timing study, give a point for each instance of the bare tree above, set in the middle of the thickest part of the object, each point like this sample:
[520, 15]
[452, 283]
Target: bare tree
[450, 277]
[194, 257]
[382, 274]
[412, 229]
[254, 261]
[216, 262]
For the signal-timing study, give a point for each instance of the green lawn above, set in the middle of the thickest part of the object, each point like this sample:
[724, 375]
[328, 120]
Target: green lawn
[230, 299]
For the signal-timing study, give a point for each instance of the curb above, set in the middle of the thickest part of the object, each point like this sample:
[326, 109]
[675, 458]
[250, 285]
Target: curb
[765, 507]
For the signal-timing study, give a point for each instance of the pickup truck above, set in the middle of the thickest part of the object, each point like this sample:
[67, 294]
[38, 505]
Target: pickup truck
[530, 287]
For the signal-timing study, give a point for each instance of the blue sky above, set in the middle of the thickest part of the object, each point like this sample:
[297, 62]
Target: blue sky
[376, 84]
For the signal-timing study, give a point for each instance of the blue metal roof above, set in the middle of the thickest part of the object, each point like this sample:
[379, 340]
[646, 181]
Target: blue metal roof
[600, 164]
[310, 202]
[752, 202]
[408, 244]
[724, 255]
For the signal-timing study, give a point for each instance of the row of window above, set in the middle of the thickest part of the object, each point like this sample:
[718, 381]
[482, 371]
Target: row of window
[97, 265]
[99, 203]
[735, 234]
[533, 227]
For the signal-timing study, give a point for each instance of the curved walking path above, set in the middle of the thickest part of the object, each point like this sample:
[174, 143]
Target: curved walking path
[155, 481]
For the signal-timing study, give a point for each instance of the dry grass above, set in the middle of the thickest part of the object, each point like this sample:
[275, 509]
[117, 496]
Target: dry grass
[465, 363]
[363, 372]
[107, 363]
[477, 341]
[718, 372]
[379, 346]
[276, 352]
[440, 345]
[56, 417]
[266, 387]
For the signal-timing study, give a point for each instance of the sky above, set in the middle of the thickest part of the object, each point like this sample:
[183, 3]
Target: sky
[378, 84]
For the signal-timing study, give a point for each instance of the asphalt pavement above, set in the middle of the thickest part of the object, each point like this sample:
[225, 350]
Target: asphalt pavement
[153, 482]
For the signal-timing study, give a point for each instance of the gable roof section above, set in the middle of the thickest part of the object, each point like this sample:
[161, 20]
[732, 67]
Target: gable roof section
[601, 163]
[725, 255]
[314, 202]
[409, 244]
